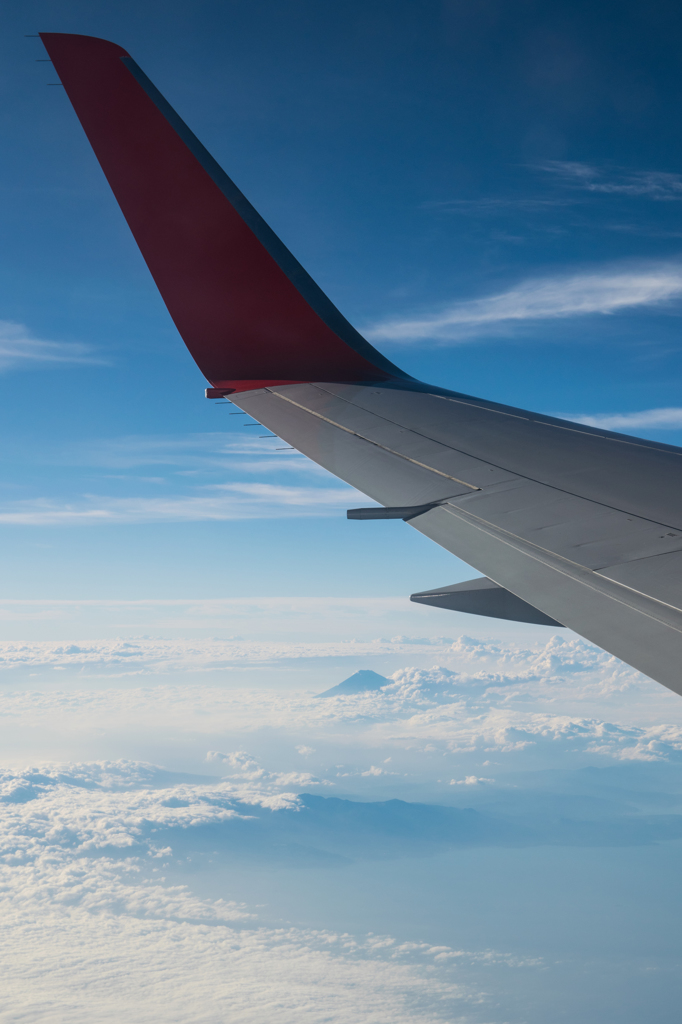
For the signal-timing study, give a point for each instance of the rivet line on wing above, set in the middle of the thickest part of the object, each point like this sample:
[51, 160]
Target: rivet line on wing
[376, 444]
[481, 406]
[593, 433]
[514, 473]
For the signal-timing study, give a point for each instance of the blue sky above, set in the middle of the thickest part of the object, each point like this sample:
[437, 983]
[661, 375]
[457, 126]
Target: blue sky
[492, 192]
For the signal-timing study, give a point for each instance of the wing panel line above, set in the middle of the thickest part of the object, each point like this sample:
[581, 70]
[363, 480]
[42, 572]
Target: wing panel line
[384, 447]
[461, 451]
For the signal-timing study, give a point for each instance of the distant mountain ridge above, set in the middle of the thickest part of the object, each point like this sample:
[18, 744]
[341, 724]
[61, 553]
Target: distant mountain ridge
[359, 682]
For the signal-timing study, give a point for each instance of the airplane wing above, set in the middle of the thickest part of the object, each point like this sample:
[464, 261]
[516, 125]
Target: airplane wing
[571, 525]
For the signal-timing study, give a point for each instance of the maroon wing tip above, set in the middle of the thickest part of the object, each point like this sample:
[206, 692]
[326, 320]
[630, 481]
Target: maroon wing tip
[67, 45]
[229, 284]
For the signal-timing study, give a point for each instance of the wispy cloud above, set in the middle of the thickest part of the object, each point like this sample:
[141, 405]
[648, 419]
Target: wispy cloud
[494, 204]
[651, 419]
[18, 347]
[189, 453]
[603, 291]
[236, 501]
[659, 185]
[247, 769]
[134, 450]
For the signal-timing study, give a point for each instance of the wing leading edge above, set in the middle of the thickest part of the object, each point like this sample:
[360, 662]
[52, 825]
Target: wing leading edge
[581, 524]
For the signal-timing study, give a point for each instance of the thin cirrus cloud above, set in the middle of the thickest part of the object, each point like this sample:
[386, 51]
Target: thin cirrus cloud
[659, 185]
[606, 291]
[135, 450]
[234, 501]
[18, 346]
[192, 453]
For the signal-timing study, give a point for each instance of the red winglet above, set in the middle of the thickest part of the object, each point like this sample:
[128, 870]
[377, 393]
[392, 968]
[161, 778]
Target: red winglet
[247, 311]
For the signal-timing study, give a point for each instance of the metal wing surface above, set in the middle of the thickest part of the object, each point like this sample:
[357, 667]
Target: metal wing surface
[581, 524]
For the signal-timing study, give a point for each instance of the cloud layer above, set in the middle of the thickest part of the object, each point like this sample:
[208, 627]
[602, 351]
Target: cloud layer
[531, 706]
[81, 854]
[119, 879]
